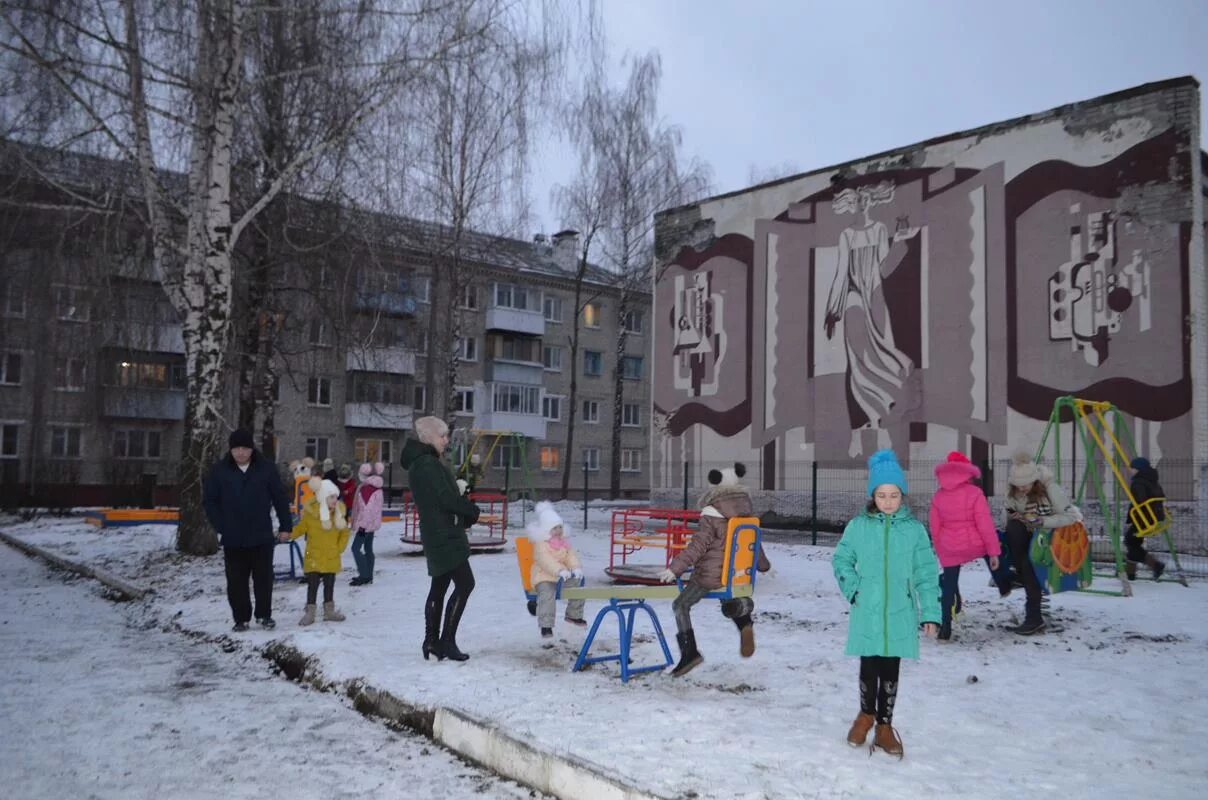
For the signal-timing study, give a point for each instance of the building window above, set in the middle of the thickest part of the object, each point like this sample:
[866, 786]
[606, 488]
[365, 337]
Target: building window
[320, 333]
[631, 460]
[632, 322]
[463, 401]
[8, 440]
[552, 308]
[593, 362]
[551, 407]
[510, 296]
[372, 387]
[467, 348]
[64, 442]
[419, 400]
[71, 304]
[149, 375]
[505, 456]
[631, 368]
[631, 415]
[316, 448]
[516, 399]
[591, 315]
[10, 369]
[318, 392]
[469, 298]
[135, 443]
[591, 459]
[423, 288]
[13, 302]
[591, 411]
[550, 459]
[513, 348]
[551, 358]
[370, 450]
[69, 374]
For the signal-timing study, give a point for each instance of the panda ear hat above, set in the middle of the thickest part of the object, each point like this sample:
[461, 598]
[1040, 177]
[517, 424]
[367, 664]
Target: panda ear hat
[728, 476]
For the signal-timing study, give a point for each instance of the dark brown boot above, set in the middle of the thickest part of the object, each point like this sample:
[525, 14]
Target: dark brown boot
[858, 732]
[746, 635]
[1154, 564]
[690, 657]
[887, 739]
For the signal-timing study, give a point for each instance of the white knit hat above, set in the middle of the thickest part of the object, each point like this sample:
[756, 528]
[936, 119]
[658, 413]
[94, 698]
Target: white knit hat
[546, 520]
[1024, 471]
[326, 490]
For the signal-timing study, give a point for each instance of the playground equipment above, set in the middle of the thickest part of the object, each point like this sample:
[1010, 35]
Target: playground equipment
[476, 448]
[489, 533]
[130, 517]
[1101, 432]
[524, 558]
[663, 532]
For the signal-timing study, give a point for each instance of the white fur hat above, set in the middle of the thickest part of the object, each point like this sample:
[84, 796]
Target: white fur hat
[1025, 472]
[546, 520]
[327, 490]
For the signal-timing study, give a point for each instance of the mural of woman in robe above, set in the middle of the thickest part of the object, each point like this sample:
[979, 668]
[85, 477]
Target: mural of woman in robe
[876, 369]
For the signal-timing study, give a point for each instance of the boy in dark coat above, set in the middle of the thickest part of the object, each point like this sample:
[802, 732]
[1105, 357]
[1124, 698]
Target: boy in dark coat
[1143, 486]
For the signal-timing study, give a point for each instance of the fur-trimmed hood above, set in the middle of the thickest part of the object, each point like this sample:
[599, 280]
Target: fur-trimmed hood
[545, 520]
[721, 494]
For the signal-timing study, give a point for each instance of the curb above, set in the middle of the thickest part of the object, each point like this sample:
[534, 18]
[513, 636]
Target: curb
[127, 590]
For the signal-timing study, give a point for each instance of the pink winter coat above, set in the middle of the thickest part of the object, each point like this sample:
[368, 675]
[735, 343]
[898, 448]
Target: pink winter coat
[367, 506]
[961, 526]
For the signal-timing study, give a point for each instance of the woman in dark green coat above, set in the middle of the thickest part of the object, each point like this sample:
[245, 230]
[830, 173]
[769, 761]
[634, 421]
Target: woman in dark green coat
[444, 516]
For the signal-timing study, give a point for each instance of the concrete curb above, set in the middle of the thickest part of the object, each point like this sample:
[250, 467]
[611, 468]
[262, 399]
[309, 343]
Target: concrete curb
[127, 590]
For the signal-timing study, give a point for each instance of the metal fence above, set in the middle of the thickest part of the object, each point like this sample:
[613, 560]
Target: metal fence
[815, 499]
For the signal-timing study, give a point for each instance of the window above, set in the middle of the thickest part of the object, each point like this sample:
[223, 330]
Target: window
[318, 392]
[549, 459]
[421, 341]
[591, 315]
[506, 456]
[632, 322]
[370, 450]
[136, 443]
[463, 401]
[423, 289]
[517, 297]
[551, 358]
[552, 308]
[593, 362]
[149, 375]
[71, 303]
[320, 333]
[69, 374]
[372, 387]
[64, 442]
[516, 399]
[514, 348]
[8, 440]
[631, 415]
[316, 447]
[467, 348]
[469, 298]
[419, 400]
[631, 368]
[591, 411]
[591, 459]
[631, 460]
[10, 369]
[12, 304]
[551, 407]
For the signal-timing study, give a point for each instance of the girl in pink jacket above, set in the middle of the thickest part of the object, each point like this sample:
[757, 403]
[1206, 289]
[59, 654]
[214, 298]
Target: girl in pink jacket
[961, 530]
[366, 519]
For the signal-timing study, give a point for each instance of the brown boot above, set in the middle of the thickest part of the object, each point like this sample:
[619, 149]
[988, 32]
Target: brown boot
[746, 636]
[888, 740]
[860, 728]
[1154, 564]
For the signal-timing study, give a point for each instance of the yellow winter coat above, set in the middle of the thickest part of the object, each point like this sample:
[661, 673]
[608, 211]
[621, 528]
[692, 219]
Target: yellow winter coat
[323, 547]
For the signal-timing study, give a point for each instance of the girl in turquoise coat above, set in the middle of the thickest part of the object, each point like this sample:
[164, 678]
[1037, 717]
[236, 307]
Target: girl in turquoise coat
[887, 571]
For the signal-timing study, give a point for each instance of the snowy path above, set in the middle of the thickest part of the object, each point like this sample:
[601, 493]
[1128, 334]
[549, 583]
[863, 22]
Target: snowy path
[95, 708]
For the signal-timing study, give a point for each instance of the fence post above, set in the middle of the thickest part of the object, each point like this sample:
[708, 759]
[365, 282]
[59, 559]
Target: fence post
[507, 483]
[584, 492]
[685, 485]
[814, 502]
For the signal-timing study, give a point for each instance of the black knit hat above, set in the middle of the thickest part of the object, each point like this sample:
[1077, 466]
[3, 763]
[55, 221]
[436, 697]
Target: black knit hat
[241, 437]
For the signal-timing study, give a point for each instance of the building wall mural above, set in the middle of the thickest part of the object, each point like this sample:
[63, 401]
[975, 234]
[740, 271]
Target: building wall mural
[943, 295]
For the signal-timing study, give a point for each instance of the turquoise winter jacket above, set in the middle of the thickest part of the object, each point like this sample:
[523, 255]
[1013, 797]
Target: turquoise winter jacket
[888, 572]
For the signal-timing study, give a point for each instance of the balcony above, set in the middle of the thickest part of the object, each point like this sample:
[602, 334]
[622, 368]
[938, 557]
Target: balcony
[377, 415]
[396, 304]
[530, 425]
[135, 403]
[530, 373]
[147, 337]
[529, 323]
[392, 360]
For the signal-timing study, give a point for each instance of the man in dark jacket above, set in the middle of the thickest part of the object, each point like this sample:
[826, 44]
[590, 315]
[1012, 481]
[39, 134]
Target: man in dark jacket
[239, 492]
[1143, 486]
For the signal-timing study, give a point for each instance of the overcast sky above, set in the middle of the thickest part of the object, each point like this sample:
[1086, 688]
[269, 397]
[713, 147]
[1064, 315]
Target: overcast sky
[803, 85]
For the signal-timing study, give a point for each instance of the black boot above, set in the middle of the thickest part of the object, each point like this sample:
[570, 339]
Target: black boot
[1157, 566]
[690, 657]
[448, 638]
[746, 635]
[432, 632]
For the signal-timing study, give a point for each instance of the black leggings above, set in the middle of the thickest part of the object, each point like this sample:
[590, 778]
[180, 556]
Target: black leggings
[879, 686]
[462, 578]
[312, 587]
[1019, 540]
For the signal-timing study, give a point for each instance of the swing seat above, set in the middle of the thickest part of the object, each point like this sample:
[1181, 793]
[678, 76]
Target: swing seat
[1144, 517]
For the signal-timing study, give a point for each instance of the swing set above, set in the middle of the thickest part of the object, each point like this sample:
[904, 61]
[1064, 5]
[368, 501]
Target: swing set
[1101, 433]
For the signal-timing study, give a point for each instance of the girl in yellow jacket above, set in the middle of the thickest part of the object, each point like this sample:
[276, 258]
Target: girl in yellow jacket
[325, 526]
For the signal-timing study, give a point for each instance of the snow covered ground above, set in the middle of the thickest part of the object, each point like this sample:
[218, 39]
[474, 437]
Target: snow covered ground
[1111, 706]
[97, 706]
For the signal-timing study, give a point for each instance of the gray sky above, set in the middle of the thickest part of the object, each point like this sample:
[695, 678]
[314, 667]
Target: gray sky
[770, 83]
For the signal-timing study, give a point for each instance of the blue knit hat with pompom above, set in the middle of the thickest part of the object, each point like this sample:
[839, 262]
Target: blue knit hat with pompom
[883, 468]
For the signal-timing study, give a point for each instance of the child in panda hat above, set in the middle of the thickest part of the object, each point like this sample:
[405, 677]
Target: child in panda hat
[553, 560]
[704, 555]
